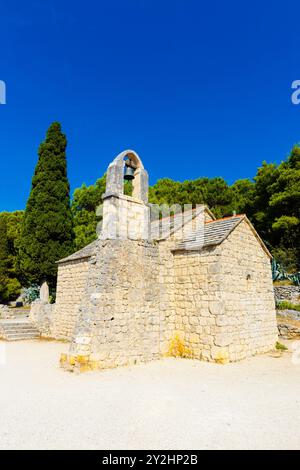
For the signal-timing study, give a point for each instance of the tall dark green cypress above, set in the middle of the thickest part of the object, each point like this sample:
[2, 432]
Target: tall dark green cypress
[47, 232]
[4, 255]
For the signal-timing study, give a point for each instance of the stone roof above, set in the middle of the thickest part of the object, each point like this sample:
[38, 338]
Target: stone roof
[214, 233]
[175, 224]
[159, 231]
[85, 252]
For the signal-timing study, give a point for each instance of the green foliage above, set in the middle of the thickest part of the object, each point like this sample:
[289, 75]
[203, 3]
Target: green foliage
[286, 257]
[280, 274]
[84, 207]
[214, 192]
[4, 251]
[276, 206]
[47, 232]
[243, 195]
[9, 238]
[280, 346]
[285, 223]
[31, 293]
[13, 289]
[285, 305]
[4, 254]
[271, 201]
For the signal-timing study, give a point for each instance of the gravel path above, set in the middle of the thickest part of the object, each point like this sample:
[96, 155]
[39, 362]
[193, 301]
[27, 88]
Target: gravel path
[169, 404]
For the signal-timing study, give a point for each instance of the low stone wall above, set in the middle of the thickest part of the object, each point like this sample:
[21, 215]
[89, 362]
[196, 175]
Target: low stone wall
[289, 314]
[287, 293]
[41, 314]
[4, 311]
[71, 283]
[287, 331]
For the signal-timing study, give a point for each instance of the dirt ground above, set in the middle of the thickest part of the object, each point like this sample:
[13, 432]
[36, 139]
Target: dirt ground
[168, 404]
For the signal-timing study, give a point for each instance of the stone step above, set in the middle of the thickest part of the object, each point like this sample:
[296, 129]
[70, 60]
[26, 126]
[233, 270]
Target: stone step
[21, 332]
[18, 330]
[20, 337]
[17, 325]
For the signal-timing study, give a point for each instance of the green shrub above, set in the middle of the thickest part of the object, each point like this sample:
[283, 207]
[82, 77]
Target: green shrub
[285, 305]
[31, 293]
[280, 347]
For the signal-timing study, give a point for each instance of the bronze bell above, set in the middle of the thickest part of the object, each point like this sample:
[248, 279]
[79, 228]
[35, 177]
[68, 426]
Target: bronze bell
[129, 173]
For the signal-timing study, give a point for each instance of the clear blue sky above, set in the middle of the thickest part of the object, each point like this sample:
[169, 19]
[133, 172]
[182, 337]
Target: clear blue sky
[197, 88]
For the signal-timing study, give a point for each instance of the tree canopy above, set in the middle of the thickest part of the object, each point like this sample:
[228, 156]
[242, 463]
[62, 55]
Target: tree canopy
[30, 244]
[271, 200]
[10, 224]
[47, 228]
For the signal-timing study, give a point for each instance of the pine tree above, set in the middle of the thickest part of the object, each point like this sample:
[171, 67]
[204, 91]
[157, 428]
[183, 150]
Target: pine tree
[47, 232]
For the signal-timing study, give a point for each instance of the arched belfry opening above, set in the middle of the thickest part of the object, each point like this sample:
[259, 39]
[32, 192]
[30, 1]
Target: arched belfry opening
[126, 217]
[127, 165]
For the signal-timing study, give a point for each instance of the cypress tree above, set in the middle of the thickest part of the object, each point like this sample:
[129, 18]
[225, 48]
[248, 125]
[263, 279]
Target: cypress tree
[4, 255]
[4, 250]
[47, 232]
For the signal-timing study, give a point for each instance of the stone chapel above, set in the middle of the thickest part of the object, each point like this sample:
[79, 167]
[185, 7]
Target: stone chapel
[141, 291]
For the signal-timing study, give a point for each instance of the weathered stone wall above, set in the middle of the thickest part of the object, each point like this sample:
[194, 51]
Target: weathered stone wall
[166, 299]
[287, 293]
[143, 301]
[288, 314]
[119, 317]
[247, 307]
[42, 315]
[135, 300]
[5, 312]
[288, 331]
[71, 283]
[197, 294]
[125, 217]
[224, 300]
[182, 287]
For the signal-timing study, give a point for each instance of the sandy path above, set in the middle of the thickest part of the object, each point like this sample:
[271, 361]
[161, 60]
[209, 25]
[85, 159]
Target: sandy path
[169, 404]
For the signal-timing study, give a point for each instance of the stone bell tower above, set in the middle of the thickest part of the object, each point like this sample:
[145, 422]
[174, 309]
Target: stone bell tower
[126, 217]
[118, 320]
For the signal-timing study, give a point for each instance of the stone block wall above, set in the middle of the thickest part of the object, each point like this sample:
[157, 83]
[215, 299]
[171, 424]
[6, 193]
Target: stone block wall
[72, 278]
[119, 317]
[135, 301]
[287, 293]
[197, 296]
[166, 286]
[223, 301]
[125, 217]
[247, 306]
[5, 312]
[42, 315]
